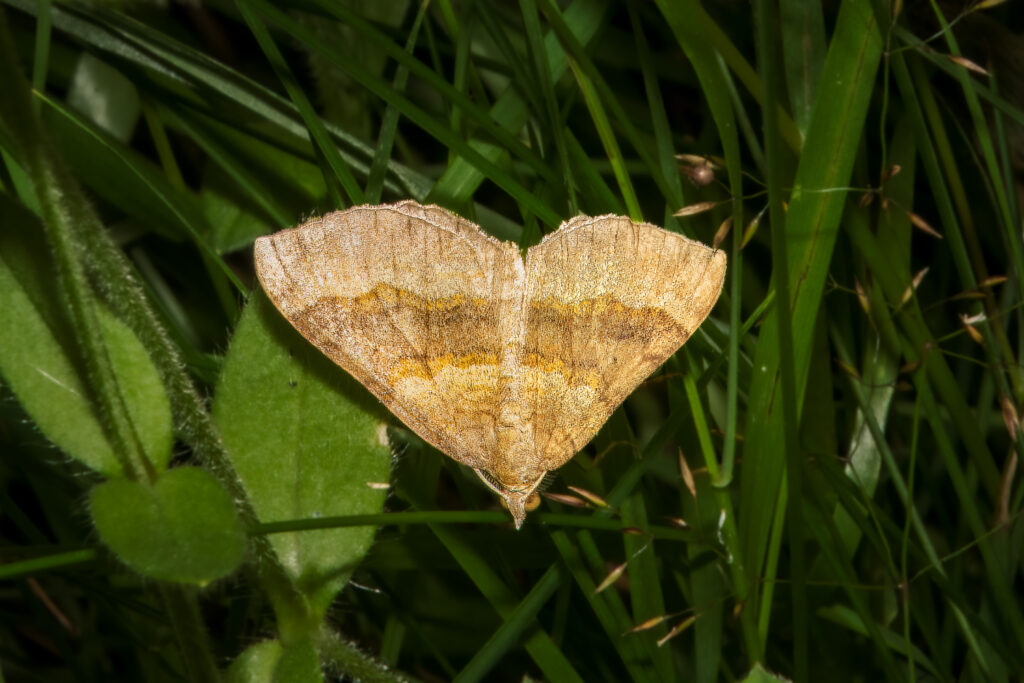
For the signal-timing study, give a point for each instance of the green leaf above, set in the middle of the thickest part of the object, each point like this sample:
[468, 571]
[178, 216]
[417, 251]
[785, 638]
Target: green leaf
[317, 130]
[234, 224]
[120, 175]
[123, 177]
[803, 50]
[761, 675]
[44, 373]
[104, 96]
[182, 528]
[144, 394]
[511, 111]
[299, 663]
[269, 661]
[306, 440]
[45, 381]
[812, 225]
[257, 664]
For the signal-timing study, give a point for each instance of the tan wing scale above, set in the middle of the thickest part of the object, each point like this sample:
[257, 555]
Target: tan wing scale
[507, 367]
[607, 302]
[409, 300]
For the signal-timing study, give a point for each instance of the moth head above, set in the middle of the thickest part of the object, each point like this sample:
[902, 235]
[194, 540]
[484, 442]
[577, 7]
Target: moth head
[519, 496]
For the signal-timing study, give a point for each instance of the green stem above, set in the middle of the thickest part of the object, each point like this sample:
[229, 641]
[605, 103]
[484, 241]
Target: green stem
[182, 610]
[342, 656]
[60, 203]
[769, 60]
[112, 276]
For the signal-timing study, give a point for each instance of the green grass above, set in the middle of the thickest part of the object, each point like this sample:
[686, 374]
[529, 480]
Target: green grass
[851, 423]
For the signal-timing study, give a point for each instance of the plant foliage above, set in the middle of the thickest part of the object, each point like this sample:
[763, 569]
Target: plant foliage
[822, 485]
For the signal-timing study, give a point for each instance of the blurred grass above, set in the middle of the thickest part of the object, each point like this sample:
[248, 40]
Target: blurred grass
[851, 421]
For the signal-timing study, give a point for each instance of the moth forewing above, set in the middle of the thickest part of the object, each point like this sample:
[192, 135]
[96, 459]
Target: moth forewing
[507, 366]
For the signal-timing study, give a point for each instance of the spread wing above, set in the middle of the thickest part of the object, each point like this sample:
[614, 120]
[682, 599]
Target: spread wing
[607, 302]
[408, 299]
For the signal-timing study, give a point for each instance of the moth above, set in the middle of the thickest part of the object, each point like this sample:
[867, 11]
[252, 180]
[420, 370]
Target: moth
[507, 364]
